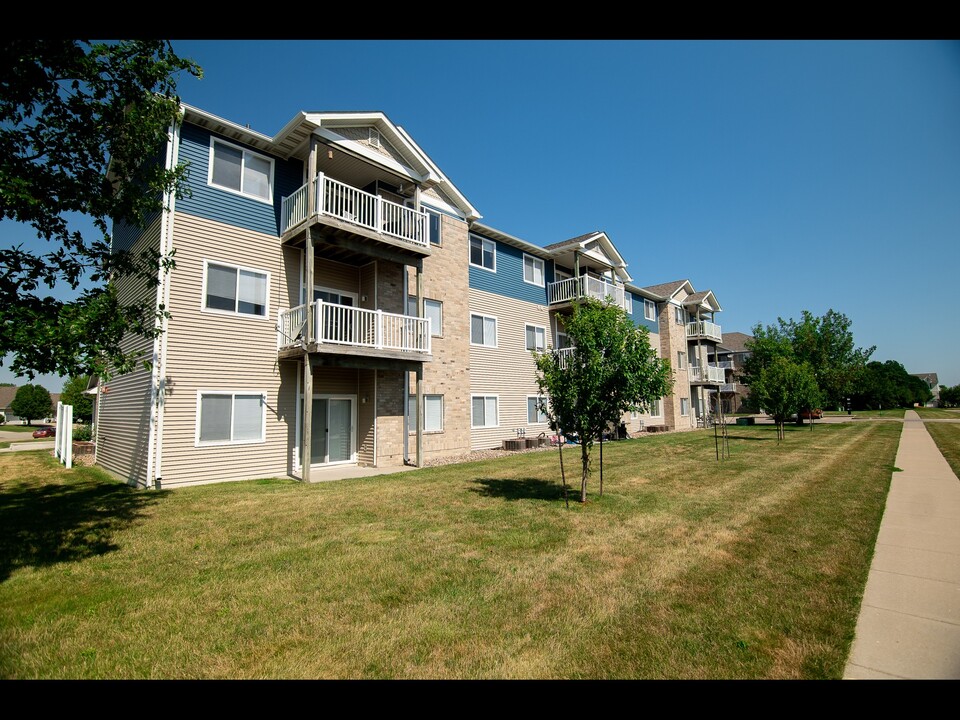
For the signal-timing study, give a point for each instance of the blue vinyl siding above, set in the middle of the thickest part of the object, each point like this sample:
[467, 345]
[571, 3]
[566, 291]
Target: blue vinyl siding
[508, 279]
[638, 317]
[226, 207]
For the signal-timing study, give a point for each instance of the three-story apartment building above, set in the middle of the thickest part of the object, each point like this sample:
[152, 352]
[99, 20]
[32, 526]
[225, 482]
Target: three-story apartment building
[336, 299]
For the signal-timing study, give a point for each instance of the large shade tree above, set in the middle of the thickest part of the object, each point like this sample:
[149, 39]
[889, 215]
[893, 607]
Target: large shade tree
[82, 126]
[611, 368]
[824, 344]
[32, 402]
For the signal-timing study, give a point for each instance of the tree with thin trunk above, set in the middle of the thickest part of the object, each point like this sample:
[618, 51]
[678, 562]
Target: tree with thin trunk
[783, 388]
[610, 369]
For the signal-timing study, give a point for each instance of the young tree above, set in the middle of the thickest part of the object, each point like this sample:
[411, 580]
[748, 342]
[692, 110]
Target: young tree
[73, 394]
[610, 369]
[783, 388]
[82, 125]
[32, 402]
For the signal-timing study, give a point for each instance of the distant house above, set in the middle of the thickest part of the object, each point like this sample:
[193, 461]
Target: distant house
[8, 393]
[934, 384]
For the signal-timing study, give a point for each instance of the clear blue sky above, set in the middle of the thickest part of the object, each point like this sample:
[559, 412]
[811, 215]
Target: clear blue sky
[783, 175]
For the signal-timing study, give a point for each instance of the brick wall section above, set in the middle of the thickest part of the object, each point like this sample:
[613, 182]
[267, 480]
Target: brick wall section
[390, 418]
[673, 339]
[445, 278]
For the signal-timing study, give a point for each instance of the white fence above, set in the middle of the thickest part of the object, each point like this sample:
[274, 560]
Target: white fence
[345, 325]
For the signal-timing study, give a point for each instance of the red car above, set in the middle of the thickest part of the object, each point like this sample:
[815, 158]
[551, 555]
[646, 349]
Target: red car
[45, 432]
[815, 414]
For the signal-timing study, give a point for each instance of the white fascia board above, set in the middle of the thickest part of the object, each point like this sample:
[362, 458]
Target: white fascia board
[503, 237]
[252, 134]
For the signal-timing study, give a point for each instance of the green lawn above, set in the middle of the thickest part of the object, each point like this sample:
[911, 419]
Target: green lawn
[751, 567]
[892, 413]
[21, 428]
[941, 413]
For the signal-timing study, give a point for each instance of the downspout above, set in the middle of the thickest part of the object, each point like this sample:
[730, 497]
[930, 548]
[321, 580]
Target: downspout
[406, 385]
[159, 359]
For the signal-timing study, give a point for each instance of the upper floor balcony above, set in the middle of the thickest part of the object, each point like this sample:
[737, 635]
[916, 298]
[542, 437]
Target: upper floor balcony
[578, 288]
[346, 207]
[703, 329]
[346, 330]
[706, 374]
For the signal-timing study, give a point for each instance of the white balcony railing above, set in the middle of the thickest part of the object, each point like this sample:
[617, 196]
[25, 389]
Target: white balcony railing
[563, 356]
[705, 329]
[344, 202]
[576, 288]
[344, 325]
[706, 373]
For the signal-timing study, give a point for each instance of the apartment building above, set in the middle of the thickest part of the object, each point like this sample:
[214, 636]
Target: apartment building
[336, 299]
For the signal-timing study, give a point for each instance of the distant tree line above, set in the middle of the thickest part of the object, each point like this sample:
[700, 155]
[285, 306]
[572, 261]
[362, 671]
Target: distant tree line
[888, 385]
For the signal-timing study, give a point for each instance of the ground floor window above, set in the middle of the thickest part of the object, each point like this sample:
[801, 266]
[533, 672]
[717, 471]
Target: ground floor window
[230, 417]
[534, 412]
[485, 411]
[684, 406]
[432, 413]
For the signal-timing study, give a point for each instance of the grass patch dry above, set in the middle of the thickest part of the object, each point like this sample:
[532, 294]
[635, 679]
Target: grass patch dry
[752, 567]
[938, 413]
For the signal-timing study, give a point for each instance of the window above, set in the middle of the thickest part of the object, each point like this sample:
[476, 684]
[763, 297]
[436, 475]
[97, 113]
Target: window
[483, 253]
[484, 411]
[232, 289]
[678, 315]
[657, 410]
[536, 338]
[241, 171]
[483, 330]
[634, 414]
[628, 301]
[681, 359]
[684, 406]
[534, 413]
[433, 225]
[230, 417]
[532, 270]
[432, 412]
[649, 309]
[432, 309]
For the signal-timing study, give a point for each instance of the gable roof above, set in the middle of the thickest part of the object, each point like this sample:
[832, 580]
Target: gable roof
[293, 140]
[6, 396]
[665, 291]
[736, 341]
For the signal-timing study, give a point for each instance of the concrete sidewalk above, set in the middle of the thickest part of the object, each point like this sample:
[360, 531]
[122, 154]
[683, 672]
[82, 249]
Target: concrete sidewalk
[909, 625]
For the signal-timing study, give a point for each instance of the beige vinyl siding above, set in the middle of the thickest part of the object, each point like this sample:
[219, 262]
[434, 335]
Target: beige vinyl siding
[507, 370]
[333, 275]
[123, 426]
[223, 352]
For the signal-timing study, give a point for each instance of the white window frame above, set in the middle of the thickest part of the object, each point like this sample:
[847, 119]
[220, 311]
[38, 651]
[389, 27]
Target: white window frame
[412, 311]
[270, 180]
[483, 243]
[684, 407]
[233, 394]
[235, 313]
[628, 301]
[431, 213]
[496, 399]
[657, 408]
[679, 316]
[540, 413]
[533, 264]
[496, 331]
[542, 330]
[649, 310]
[681, 360]
[412, 398]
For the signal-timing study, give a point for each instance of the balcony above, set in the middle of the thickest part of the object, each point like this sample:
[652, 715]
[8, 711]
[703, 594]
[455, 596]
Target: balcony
[703, 329]
[726, 364]
[577, 288]
[355, 331]
[338, 201]
[563, 356]
[706, 374]
[728, 387]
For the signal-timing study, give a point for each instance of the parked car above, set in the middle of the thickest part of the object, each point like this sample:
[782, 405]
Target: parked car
[45, 432]
[815, 414]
